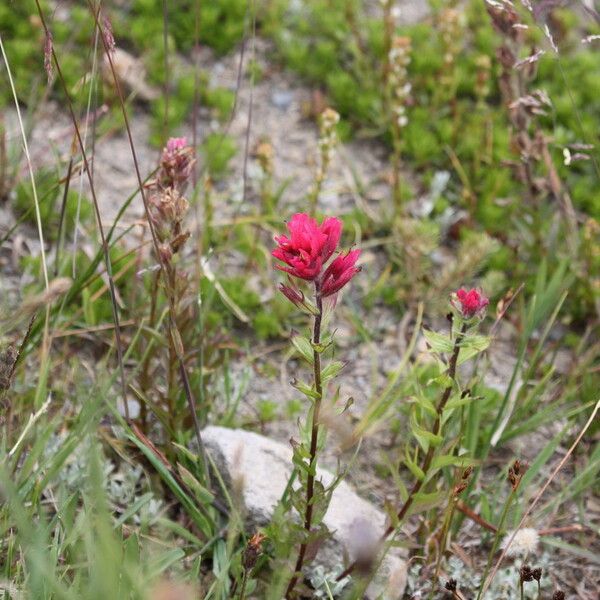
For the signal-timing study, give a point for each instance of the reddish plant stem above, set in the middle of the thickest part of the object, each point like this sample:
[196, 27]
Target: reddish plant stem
[477, 518]
[430, 452]
[471, 514]
[314, 438]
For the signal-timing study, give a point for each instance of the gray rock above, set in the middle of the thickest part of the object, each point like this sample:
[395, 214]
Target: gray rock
[261, 468]
[282, 99]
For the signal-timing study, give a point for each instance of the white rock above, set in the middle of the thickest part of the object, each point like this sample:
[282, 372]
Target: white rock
[261, 467]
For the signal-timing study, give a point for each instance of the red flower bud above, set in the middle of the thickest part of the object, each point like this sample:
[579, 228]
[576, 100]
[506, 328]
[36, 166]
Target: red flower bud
[292, 294]
[339, 273]
[470, 303]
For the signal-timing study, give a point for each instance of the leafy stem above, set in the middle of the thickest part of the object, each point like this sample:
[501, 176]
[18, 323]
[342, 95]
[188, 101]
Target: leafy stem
[402, 512]
[314, 438]
[497, 537]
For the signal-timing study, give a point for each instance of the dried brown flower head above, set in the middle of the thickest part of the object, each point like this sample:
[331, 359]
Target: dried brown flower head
[525, 573]
[451, 585]
[253, 550]
[8, 358]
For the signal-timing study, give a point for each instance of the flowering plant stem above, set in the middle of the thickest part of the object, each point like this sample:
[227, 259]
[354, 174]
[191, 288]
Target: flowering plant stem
[500, 527]
[430, 452]
[242, 595]
[314, 438]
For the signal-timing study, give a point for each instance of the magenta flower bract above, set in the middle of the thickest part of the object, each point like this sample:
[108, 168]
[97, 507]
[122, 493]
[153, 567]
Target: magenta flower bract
[340, 272]
[176, 164]
[470, 303]
[294, 296]
[175, 144]
[308, 247]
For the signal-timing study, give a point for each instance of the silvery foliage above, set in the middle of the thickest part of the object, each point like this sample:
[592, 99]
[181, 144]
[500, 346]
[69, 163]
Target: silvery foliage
[123, 487]
[505, 585]
[325, 584]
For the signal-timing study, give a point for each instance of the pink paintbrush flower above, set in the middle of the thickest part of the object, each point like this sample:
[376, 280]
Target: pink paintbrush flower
[309, 246]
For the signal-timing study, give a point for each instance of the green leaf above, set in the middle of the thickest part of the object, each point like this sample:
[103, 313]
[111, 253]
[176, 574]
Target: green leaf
[424, 501]
[332, 370]
[438, 342]
[201, 492]
[424, 437]
[320, 502]
[471, 345]
[541, 459]
[446, 460]
[301, 458]
[165, 560]
[199, 519]
[443, 380]
[574, 550]
[414, 468]
[321, 346]
[308, 391]
[458, 400]
[424, 403]
[304, 348]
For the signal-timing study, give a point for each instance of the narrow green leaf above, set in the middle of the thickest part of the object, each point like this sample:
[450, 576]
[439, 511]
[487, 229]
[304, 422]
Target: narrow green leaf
[446, 460]
[439, 342]
[414, 468]
[201, 521]
[202, 494]
[471, 345]
[331, 370]
[457, 400]
[304, 348]
[424, 403]
[424, 437]
[305, 389]
[162, 562]
[424, 501]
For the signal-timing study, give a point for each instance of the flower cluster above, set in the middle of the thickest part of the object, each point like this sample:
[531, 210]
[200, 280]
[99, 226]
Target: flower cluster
[452, 35]
[176, 163]
[469, 303]
[327, 134]
[482, 82]
[264, 154]
[327, 141]
[399, 59]
[107, 34]
[167, 204]
[305, 254]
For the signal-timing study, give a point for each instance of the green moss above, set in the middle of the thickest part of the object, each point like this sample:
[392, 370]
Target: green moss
[50, 195]
[221, 23]
[218, 150]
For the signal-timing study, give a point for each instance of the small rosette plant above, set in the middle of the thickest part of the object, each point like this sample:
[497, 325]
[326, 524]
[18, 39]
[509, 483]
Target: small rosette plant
[307, 254]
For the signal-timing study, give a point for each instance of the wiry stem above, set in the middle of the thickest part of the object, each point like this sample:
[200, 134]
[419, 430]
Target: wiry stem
[174, 332]
[244, 585]
[103, 239]
[496, 543]
[430, 452]
[314, 438]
